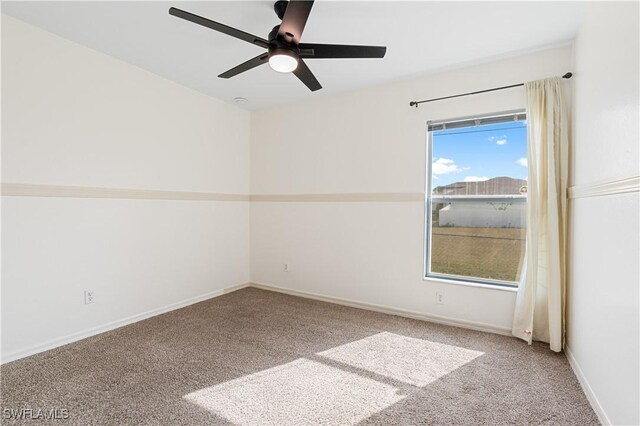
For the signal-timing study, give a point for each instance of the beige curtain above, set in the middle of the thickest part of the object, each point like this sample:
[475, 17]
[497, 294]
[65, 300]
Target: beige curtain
[540, 303]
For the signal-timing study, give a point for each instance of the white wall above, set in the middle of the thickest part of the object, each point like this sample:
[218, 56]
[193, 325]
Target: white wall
[73, 116]
[603, 322]
[371, 142]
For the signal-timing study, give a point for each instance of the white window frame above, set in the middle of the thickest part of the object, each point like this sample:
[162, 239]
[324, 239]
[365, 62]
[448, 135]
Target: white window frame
[463, 122]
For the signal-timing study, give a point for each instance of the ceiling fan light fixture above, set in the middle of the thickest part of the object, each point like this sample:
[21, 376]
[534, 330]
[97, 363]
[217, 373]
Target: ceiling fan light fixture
[283, 60]
[285, 53]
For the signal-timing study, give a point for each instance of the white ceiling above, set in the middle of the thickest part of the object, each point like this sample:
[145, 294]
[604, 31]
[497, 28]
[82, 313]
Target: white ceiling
[421, 37]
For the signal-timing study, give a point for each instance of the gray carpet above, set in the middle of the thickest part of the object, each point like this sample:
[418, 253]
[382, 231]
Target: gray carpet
[259, 357]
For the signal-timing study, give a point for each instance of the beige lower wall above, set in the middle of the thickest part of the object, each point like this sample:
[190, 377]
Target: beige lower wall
[367, 252]
[137, 255]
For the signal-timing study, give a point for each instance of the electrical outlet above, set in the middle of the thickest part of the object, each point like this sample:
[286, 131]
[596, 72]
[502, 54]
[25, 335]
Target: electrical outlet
[89, 296]
[439, 298]
[286, 267]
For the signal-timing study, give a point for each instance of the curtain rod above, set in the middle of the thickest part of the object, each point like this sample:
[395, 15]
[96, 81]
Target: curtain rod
[416, 103]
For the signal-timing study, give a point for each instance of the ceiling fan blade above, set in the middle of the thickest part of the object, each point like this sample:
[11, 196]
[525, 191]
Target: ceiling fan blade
[306, 76]
[294, 19]
[246, 66]
[327, 51]
[225, 29]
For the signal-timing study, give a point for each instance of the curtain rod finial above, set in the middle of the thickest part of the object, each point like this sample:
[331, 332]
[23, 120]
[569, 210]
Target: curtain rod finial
[413, 103]
[568, 75]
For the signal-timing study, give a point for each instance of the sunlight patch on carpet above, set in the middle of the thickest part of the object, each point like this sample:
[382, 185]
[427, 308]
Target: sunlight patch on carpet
[413, 361]
[302, 392]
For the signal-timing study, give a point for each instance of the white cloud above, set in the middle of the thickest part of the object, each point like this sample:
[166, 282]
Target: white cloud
[499, 140]
[475, 178]
[522, 162]
[444, 166]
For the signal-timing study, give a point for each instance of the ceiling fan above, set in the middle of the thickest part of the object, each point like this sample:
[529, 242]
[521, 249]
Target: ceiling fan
[285, 52]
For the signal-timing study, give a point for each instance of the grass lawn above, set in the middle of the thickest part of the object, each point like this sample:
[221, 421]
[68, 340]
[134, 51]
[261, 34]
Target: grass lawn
[492, 253]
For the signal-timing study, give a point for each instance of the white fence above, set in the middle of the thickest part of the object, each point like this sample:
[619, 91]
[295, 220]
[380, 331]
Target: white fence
[483, 214]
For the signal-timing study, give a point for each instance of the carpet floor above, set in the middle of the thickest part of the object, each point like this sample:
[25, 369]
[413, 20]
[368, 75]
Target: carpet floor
[255, 357]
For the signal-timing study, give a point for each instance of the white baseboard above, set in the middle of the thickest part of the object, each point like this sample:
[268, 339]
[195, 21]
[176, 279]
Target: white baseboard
[591, 396]
[70, 338]
[234, 288]
[473, 325]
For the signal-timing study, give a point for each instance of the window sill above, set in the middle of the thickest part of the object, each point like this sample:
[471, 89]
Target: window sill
[471, 284]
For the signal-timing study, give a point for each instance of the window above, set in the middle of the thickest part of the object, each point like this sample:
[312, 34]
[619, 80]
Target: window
[476, 199]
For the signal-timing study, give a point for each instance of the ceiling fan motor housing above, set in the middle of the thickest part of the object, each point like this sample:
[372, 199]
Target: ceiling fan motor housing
[287, 38]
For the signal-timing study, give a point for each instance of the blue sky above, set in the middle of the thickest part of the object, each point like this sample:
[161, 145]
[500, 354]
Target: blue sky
[480, 153]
